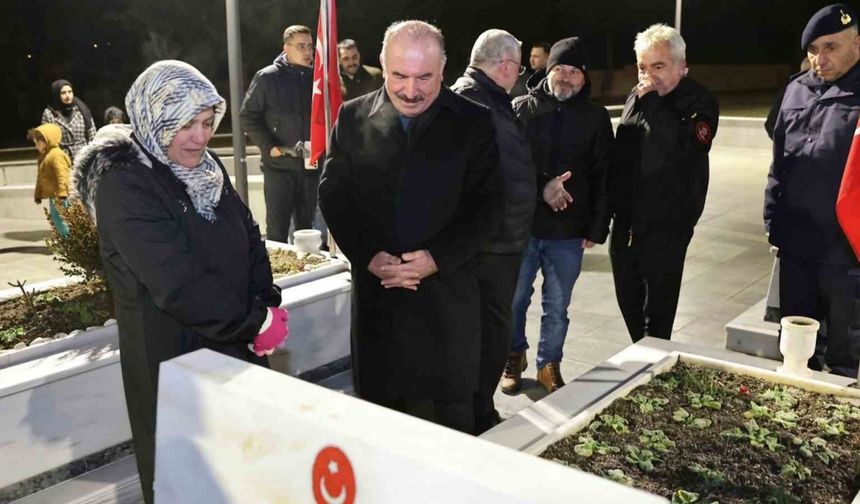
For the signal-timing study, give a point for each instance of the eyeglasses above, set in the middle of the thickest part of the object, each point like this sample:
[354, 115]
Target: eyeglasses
[522, 68]
[302, 47]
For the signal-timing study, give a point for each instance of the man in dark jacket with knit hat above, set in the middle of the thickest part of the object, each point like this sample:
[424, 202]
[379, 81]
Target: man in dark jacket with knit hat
[658, 181]
[570, 137]
[492, 72]
[819, 274]
[276, 115]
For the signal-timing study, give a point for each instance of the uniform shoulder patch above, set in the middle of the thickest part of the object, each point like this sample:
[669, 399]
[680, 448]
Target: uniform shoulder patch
[704, 135]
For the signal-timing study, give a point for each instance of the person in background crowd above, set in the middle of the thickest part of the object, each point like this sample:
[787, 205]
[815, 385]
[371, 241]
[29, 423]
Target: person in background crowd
[658, 181]
[570, 136]
[52, 178]
[184, 259]
[72, 115]
[114, 115]
[276, 114]
[536, 70]
[819, 275]
[357, 79]
[492, 72]
[412, 190]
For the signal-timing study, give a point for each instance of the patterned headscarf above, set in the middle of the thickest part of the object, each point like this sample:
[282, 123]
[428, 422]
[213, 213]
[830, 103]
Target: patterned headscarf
[163, 99]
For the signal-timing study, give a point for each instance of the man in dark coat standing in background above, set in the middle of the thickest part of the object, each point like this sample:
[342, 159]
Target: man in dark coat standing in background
[492, 72]
[819, 275]
[357, 79]
[412, 190]
[658, 181]
[570, 137]
[276, 115]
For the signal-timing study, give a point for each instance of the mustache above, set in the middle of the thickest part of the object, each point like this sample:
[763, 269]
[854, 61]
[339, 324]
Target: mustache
[417, 99]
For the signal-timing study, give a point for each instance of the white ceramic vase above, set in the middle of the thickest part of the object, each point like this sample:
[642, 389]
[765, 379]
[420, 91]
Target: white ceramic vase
[797, 344]
[307, 240]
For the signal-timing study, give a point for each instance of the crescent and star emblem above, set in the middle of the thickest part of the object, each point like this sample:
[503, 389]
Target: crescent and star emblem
[333, 479]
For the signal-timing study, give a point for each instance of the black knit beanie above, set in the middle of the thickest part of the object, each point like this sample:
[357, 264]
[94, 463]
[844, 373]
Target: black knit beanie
[569, 51]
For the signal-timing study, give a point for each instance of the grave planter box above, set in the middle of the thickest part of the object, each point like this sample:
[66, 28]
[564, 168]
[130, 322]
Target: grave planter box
[585, 409]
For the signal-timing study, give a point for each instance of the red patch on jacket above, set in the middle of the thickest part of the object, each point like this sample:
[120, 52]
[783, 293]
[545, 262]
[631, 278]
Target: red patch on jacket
[703, 133]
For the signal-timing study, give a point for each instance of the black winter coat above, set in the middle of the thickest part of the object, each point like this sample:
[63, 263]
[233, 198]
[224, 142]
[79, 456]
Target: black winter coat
[659, 176]
[514, 161]
[573, 135]
[179, 282]
[366, 80]
[437, 188]
[276, 111]
[811, 141]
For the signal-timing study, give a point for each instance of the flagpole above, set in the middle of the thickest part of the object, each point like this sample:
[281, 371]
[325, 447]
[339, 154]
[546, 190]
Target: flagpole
[324, 11]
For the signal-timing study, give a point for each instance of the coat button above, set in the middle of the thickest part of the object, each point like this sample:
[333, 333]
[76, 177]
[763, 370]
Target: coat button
[809, 139]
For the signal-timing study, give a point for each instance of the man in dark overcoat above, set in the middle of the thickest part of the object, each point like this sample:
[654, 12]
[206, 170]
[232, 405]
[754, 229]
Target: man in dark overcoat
[411, 190]
[819, 275]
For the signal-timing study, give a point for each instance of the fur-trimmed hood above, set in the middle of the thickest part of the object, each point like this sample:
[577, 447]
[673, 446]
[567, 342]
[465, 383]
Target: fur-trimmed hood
[112, 146]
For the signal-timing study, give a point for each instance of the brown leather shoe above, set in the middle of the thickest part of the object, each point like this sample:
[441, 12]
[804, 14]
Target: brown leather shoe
[550, 377]
[512, 377]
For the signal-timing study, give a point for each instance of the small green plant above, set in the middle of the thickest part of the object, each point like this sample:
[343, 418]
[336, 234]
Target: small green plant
[648, 405]
[656, 440]
[684, 417]
[642, 457]
[684, 497]
[778, 495]
[588, 446]
[699, 401]
[78, 251]
[617, 423]
[782, 398]
[843, 411]
[794, 469]
[618, 476]
[787, 419]
[666, 382]
[758, 436]
[816, 447]
[758, 411]
[11, 334]
[710, 477]
[84, 313]
[831, 426]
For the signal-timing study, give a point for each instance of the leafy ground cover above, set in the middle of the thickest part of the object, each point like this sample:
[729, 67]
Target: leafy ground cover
[695, 434]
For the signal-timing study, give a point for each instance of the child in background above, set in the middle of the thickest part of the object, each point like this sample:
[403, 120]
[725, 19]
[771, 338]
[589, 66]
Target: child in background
[52, 179]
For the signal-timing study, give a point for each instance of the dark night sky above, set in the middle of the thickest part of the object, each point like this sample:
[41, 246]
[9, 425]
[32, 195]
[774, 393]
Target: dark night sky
[60, 37]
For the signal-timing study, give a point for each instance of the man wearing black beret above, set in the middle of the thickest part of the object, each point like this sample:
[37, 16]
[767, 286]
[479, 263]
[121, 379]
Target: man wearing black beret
[658, 181]
[819, 277]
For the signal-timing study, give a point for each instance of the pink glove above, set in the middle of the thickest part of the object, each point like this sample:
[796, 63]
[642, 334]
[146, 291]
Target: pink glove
[272, 334]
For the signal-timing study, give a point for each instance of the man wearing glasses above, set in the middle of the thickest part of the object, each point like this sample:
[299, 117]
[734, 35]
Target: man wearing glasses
[492, 72]
[276, 115]
[570, 137]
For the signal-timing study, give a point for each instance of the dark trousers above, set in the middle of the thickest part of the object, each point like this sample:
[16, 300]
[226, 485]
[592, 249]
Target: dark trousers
[829, 293]
[647, 273]
[457, 414]
[497, 281]
[289, 194]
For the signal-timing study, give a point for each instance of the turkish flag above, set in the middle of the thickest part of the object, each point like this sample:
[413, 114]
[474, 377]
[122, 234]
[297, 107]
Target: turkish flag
[327, 97]
[848, 201]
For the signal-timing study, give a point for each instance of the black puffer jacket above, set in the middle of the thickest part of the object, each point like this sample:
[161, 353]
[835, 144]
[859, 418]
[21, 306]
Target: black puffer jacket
[514, 161]
[574, 135]
[659, 176]
[277, 110]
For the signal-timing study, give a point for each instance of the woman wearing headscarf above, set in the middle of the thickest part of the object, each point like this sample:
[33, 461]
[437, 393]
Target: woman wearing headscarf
[182, 254]
[72, 115]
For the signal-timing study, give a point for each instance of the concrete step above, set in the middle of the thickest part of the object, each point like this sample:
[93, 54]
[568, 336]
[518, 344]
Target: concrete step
[114, 483]
[750, 334]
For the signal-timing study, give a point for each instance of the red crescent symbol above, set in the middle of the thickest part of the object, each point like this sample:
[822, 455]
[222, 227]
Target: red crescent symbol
[703, 132]
[332, 477]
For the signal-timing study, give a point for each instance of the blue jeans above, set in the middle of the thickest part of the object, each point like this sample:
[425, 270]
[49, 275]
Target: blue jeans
[560, 261]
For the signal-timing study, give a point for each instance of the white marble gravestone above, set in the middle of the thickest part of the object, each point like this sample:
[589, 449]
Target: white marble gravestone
[232, 432]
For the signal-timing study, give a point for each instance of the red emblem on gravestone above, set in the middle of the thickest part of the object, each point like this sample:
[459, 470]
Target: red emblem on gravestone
[333, 479]
[703, 132]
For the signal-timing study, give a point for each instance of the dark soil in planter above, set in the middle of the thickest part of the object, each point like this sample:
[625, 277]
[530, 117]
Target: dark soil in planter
[728, 438]
[62, 309]
[287, 262]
